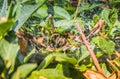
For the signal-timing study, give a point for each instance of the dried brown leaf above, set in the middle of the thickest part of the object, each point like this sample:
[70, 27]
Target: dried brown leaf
[22, 41]
[39, 41]
[91, 74]
[23, 45]
[112, 76]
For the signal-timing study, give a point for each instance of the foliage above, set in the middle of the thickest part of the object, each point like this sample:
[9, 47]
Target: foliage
[39, 40]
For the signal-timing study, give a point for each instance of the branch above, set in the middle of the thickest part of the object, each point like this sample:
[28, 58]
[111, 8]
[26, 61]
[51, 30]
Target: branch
[87, 44]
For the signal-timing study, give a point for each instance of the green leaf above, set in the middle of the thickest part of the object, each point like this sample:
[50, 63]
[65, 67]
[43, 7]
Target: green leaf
[115, 1]
[60, 57]
[64, 68]
[96, 18]
[61, 13]
[67, 23]
[105, 70]
[98, 54]
[59, 67]
[105, 15]
[94, 6]
[5, 27]
[29, 55]
[41, 12]
[117, 24]
[84, 53]
[47, 74]
[23, 71]
[4, 8]
[10, 11]
[26, 12]
[38, 1]
[83, 68]
[114, 16]
[64, 23]
[87, 6]
[106, 45]
[46, 62]
[8, 51]
[26, 1]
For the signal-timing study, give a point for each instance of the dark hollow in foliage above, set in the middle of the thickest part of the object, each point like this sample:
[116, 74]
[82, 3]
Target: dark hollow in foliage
[36, 58]
[2, 65]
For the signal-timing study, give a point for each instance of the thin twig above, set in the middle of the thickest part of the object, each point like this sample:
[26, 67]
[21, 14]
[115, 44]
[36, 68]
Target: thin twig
[76, 12]
[111, 63]
[89, 48]
[117, 54]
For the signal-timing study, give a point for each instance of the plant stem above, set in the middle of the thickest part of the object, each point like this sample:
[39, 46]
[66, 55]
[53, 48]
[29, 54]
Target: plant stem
[117, 54]
[76, 12]
[87, 44]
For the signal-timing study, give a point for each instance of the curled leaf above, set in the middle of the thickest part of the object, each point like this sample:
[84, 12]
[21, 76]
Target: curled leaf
[91, 74]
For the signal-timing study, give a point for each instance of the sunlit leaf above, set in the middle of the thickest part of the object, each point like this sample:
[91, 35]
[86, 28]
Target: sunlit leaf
[114, 16]
[41, 12]
[38, 0]
[105, 15]
[46, 62]
[61, 13]
[114, 1]
[8, 52]
[96, 18]
[5, 27]
[106, 45]
[29, 55]
[84, 53]
[117, 24]
[83, 67]
[60, 57]
[105, 70]
[47, 74]
[26, 12]
[23, 71]
[64, 68]
[68, 23]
